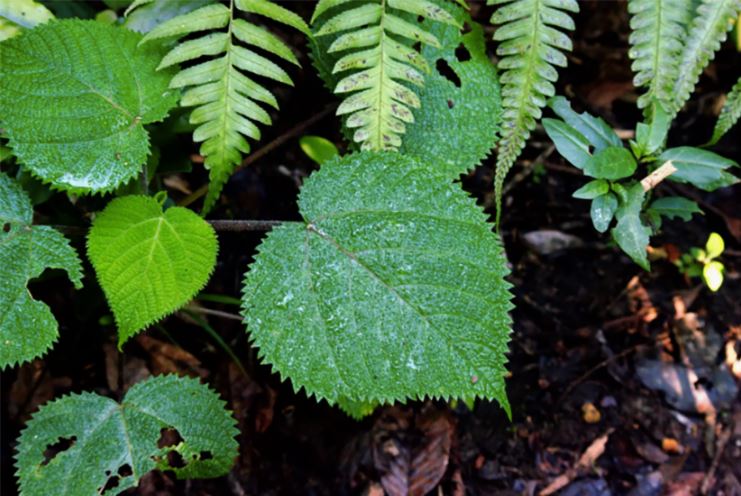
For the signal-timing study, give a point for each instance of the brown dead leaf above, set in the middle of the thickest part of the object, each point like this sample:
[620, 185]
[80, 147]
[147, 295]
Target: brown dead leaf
[166, 358]
[32, 388]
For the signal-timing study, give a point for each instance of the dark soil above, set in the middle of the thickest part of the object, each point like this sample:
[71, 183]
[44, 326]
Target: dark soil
[587, 322]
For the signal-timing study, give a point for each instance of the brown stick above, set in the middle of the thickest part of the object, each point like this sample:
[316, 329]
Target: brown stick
[652, 180]
[218, 225]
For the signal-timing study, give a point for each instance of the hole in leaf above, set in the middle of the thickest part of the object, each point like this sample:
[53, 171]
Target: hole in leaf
[462, 53]
[420, 19]
[466, 28]
[169, 436]
[62, 445]
[206, 455]
[125, 470]
[175, 459]
[451, 104]
[6, 227]
[417, 46]
[447, 72]
[110, 484]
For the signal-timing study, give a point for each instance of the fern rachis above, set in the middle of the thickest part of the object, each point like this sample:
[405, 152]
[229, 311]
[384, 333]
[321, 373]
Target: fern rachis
[382, 64]
[225, 99]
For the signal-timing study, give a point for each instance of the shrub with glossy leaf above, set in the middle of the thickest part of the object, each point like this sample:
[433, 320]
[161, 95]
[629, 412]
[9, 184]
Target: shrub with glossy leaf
[383, 293]
[89, 444]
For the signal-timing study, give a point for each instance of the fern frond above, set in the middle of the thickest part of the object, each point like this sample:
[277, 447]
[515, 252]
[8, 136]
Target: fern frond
[656, 43]
[226, 100]
[709, 29]
[377, 39]
[729, 115]
[530, 48]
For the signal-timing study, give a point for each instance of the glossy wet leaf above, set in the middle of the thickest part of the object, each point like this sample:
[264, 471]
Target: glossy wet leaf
[602, 211]
[382, 293]
[675, 206]
[701, 168]
[631, 234]
[75, 114]
[592, 190]
[611, 163]
[569, 142]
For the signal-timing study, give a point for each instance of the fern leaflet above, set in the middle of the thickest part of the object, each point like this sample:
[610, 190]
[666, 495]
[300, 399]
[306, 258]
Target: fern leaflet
[656, 47]
[225, 99]
[730, 113]
[530, 47]
[709, 29]
[378, 38]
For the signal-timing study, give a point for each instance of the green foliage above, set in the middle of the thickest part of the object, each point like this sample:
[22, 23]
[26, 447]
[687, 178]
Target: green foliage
[144, 16]
[701, 168]
[657, 41]
[710, 25]
[530, 48]
[651, 137]
[16, 15]
[318, 149]
[465, 103]
[376, 41]
[27, 326]
[592, 190]
[463, 100]
[593, 129]
[603, 210]
[701, 262]
[675, 207]
[75, 115]
[611, 163]
[729, 115]
[571, 144]
[114, 445]
[631, 234]
[149, 263]
[382, 293]
[225, 98]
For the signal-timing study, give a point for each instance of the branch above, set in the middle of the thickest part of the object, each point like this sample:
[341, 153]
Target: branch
[652, 180]
[218, 225]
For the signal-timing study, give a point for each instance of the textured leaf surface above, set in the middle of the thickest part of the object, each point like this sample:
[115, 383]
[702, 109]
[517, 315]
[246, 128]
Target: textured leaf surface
[114, 445]
[219, 81]
[27, 326]
[460, 95]
[531, 46]
[378, 64]
[74, 99]
[466, 105]
[149, 263]
[656, 43]
[730, 113]
[392, 287]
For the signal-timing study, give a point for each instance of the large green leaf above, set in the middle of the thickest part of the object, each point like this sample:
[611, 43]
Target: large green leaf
[149, 262]
[27, 326]
[392, 287]
[74, 99]
[99, 445]
[701, 168]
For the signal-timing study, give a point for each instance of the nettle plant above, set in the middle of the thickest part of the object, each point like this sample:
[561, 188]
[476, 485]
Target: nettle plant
[392, 287]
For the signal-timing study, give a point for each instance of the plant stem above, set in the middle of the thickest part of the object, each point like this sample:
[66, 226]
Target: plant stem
[652, 180]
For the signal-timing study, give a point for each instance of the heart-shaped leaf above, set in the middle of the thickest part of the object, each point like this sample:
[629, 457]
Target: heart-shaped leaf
[149, 262]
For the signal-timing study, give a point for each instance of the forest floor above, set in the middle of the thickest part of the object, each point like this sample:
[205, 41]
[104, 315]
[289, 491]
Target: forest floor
[622, 381]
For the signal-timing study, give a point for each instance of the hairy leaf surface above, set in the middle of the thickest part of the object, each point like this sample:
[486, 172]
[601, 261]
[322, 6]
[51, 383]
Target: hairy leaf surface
[392, 287]
[531, 46]
[74, 99]
[27, 327]
[149, 262]
[110, 446]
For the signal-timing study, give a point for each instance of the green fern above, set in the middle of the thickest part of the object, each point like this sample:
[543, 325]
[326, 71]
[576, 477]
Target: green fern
[656, 40]
[530, 47]
[709, 29]
[225, 99]
[730, 113]
[381, 61]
